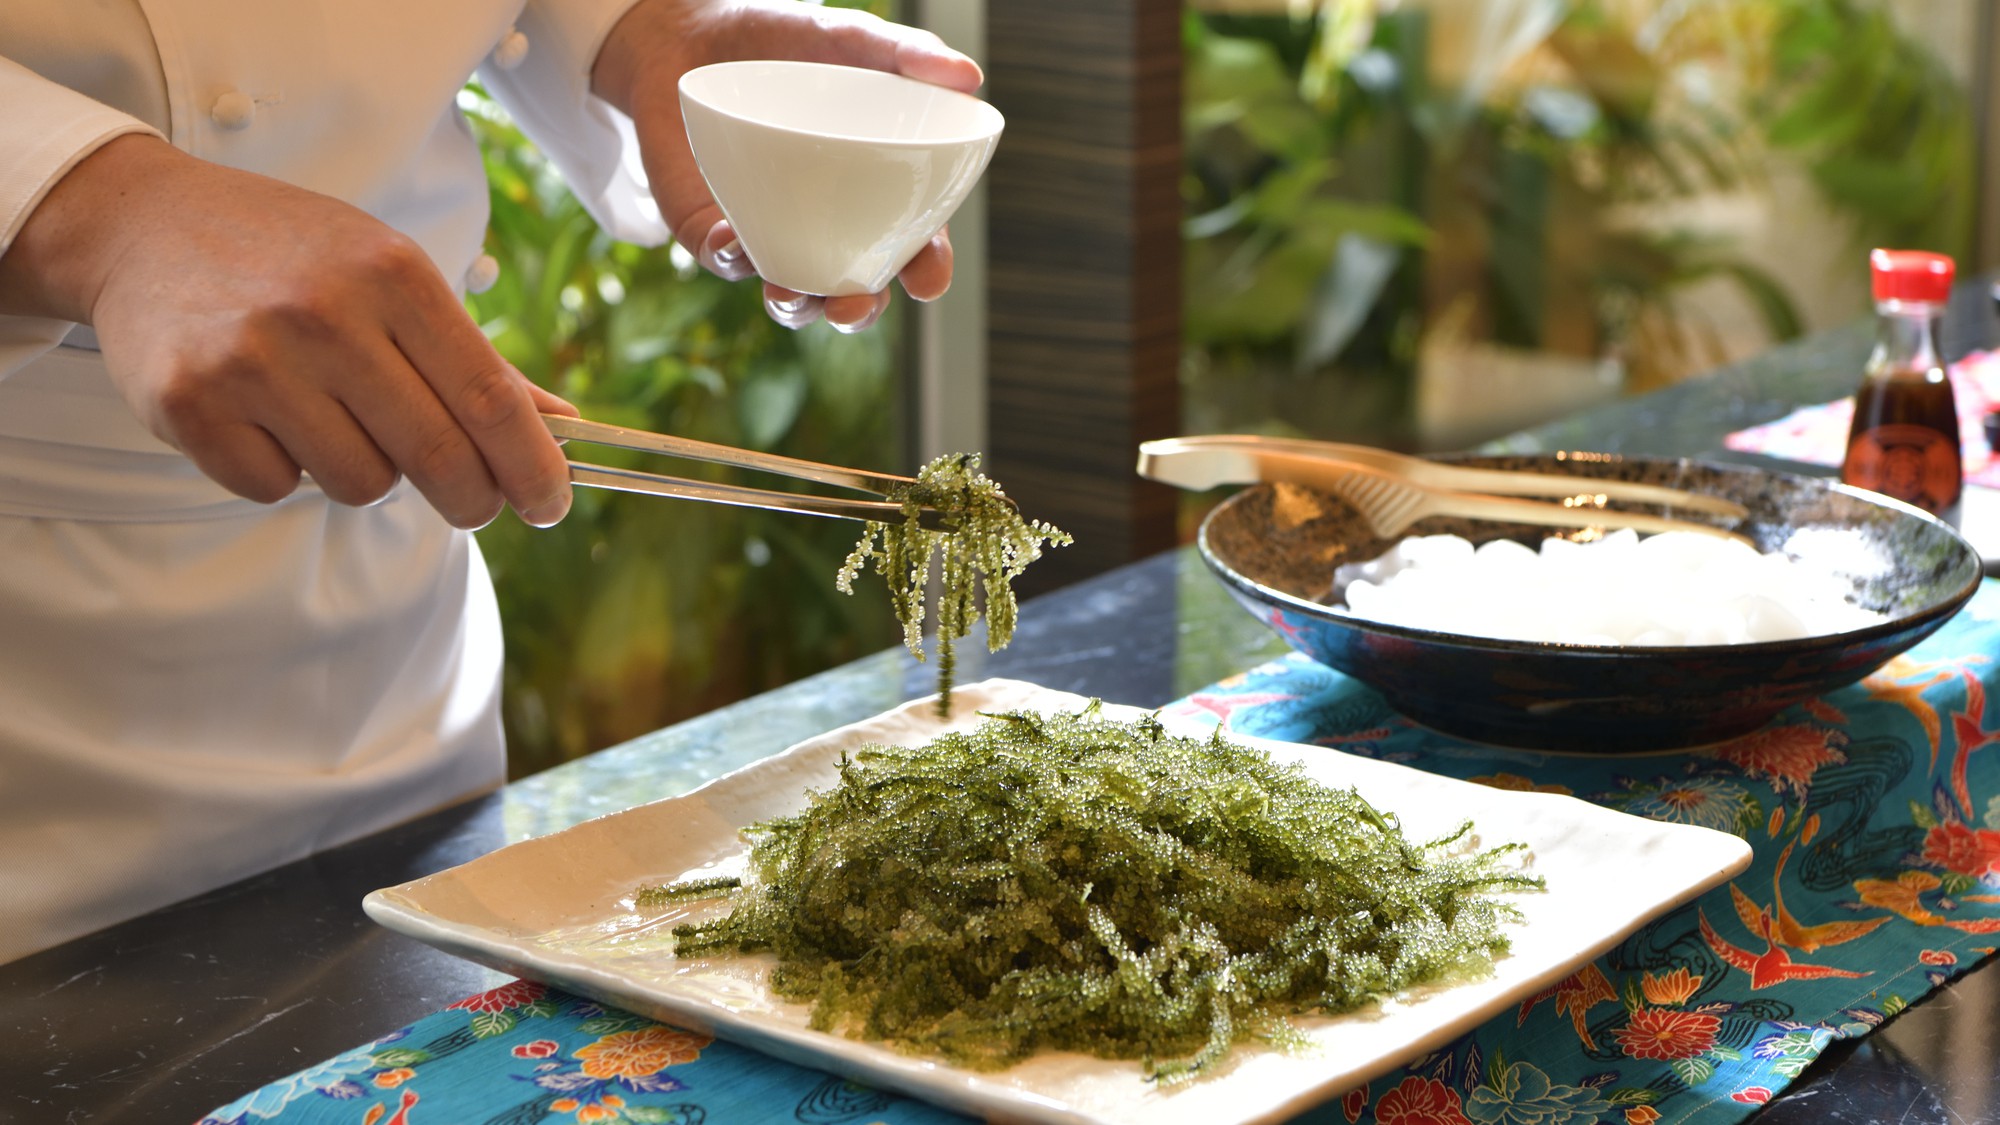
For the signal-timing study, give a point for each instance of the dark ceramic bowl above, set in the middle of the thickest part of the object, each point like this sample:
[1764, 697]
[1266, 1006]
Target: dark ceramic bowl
[1275, 547]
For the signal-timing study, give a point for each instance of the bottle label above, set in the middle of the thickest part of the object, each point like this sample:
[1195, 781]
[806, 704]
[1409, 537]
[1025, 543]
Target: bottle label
[1911, 463]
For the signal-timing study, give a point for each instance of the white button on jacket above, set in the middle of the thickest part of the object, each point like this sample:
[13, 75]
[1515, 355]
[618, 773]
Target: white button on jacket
[304, 672]
[233, 110]
[482, 274]
[512, 49]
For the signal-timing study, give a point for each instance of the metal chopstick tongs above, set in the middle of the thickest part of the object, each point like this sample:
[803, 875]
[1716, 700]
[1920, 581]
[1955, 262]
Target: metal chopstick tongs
[1393, 491]
[631, 480]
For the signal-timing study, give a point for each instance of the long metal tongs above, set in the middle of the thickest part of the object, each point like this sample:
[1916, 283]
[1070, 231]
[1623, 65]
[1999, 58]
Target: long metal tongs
[1392, 490]
[631, 480]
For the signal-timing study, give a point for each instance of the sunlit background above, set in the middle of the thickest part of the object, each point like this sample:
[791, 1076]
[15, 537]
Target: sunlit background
[1419, 225]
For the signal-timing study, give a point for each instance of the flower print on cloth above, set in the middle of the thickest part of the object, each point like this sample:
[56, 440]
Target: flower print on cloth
[628, 1058]
[1786, 755]
[1963, 850]
[1669, 989]
[640, 1053]
[497, 1011]
[1421, 1101]
[513, 994]
[1661, 1033]
[584, 1063]
[332, 1078]
[1791, 1048]
[339, 1077]
[1522, 1095]
[1710, 802]
[538, 1049]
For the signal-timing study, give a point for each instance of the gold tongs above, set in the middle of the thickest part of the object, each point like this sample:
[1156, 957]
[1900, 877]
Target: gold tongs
[631, 480]
[1393, 490]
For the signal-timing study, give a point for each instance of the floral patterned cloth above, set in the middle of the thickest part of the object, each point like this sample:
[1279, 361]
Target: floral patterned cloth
[1874, 814]
[525, 1054]
[1874, 817]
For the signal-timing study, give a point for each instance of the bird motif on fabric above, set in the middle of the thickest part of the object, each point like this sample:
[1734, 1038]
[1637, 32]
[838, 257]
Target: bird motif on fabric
[1574, 997]
[402, 1117]
[1970, 735]
[1773, 966]
[1788, 930]
[1889, 686]
[1222, 705]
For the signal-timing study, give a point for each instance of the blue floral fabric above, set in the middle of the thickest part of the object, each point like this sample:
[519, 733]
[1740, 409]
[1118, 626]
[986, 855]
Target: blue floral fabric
[524, 1054]
[1874, 815]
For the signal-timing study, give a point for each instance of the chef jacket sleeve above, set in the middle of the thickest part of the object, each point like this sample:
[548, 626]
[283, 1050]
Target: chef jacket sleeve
[590, 143]
[45, 129]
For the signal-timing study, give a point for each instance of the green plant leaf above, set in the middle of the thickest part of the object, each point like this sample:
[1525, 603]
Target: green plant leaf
[768, 403]
[1347, 292]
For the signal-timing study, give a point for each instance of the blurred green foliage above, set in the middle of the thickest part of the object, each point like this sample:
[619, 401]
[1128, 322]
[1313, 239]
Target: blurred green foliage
[1362, 177]
[1358, 174]
[1885, 129]
[637, 611]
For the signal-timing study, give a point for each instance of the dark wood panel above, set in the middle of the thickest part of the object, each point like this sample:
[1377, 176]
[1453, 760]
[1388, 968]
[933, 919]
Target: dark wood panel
[1084, 281]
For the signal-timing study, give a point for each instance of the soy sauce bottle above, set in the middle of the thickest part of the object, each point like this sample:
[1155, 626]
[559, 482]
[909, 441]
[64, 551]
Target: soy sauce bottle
[1905, 440]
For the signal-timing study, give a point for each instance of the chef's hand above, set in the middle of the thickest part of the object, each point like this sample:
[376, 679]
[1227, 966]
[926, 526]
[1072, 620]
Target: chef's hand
[639, 68]
[263, 329]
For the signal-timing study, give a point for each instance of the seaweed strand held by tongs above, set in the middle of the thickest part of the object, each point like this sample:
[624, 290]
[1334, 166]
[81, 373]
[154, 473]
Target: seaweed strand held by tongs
[982, 545]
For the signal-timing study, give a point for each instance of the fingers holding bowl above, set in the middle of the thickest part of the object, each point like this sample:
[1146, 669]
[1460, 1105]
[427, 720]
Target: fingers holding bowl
[790, 308]
[856, 313]
[928, 275]
[714, 244]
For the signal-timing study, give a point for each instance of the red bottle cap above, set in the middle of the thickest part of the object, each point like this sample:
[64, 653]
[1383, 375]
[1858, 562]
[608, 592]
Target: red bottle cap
[1911, 275]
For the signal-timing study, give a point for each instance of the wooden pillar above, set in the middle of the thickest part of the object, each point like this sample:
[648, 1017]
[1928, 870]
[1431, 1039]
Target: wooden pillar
[1084, 270]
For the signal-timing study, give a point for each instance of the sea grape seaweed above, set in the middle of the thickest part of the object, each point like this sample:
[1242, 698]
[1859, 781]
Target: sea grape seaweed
[1070, 882]
[985, 542]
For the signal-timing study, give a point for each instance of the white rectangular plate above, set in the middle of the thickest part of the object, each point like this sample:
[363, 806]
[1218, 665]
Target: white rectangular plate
[559, 909]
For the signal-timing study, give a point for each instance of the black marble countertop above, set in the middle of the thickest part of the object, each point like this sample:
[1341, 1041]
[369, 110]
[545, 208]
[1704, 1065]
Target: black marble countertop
[163, 1018]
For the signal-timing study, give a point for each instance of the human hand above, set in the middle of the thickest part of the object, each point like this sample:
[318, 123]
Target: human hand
[264, 330]
[639, 69]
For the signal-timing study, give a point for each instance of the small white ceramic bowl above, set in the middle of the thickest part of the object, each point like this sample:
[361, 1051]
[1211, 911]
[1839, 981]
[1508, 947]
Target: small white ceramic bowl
[833, 176]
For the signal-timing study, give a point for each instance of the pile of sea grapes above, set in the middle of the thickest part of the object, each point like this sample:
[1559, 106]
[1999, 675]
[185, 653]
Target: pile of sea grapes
[984, 542]
[1070, 882]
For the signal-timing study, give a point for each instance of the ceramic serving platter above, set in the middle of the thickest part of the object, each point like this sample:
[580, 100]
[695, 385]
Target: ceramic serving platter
[559, 909]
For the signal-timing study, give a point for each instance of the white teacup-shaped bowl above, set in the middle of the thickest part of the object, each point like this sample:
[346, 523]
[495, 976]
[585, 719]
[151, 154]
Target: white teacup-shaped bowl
[833, 176]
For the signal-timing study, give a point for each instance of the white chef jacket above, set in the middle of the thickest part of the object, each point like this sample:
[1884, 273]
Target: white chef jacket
[195, 687]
